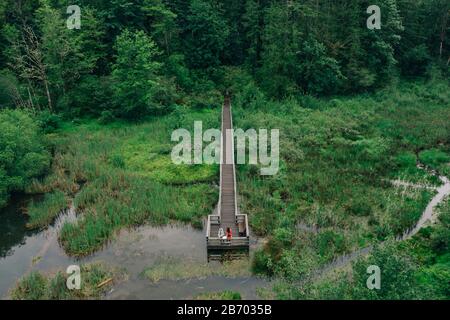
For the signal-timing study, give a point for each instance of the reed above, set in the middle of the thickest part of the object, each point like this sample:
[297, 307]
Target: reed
[38, 286]
[120, 176]
[41, 213]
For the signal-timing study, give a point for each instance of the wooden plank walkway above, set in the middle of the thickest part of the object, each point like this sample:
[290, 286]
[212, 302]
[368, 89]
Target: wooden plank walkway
[228, 215]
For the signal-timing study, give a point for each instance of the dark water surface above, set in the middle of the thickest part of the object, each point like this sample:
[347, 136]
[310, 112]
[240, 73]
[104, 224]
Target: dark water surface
[132, 250]
[12, 225]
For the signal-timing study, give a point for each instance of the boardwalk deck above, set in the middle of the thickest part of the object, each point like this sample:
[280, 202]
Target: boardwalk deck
[227, 214]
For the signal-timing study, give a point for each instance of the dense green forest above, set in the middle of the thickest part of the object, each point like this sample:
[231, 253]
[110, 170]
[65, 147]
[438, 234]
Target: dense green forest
[81, 110]
[135, 58]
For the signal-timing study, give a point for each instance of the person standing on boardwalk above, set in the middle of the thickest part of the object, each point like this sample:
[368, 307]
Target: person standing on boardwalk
[221, 234]
[229, 234]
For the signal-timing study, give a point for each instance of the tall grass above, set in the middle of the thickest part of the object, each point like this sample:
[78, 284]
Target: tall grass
[128, 178]
[37, 286]
[43, 212]
[337, 156]
[223, 295]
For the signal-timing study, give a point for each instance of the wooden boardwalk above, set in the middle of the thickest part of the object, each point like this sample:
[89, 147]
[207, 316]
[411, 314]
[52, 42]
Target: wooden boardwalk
[227, 210]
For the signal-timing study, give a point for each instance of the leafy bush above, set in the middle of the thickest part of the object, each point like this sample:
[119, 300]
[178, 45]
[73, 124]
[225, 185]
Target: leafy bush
[434, 157]
[250, 96]
[92, 95]
[205, 100]
[440, 238]
[106, 117]
[397, 275]
[136, 76]
[330, 243]
[262, 263]
[416, 61]
[406, 160]
[23, 155]
[49, 121]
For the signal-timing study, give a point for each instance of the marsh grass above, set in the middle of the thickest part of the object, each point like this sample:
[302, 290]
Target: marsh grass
[222, 295]
[337, 157]
[159, 167]
[436, 159]
[37, 286]
[170, 268]
[128, 178]
[42, 213]
[417, 268]
[129, 201]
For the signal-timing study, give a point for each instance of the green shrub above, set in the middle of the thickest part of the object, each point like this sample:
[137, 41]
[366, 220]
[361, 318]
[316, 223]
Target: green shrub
[434, 157]
[262, 263]
[284, 236]
[49, 121]
[107, 116]
[416, 61]
[440, 238]
[330, 243]
[23, 155]
[397, 275]
[406, 160]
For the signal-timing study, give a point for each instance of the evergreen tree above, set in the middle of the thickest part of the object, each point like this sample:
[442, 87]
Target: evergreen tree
[162, 24]
[135, 75]
[206, 34]
[252, 21]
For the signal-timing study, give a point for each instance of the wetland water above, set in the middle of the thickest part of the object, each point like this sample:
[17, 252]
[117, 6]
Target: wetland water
[132, 250]
[22, 251]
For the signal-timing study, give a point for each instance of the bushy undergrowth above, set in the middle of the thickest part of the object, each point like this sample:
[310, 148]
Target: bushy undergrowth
[332, 194]
[23, 154]
[415, 269]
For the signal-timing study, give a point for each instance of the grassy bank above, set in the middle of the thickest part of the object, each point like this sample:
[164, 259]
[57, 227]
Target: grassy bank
[128, 178]
[96, 279]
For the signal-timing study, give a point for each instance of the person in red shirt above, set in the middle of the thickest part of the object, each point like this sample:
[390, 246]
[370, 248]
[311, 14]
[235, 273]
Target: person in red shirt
[229, 234]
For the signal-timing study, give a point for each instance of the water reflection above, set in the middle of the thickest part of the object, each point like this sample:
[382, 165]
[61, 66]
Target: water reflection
[12, 227]
[133, 250]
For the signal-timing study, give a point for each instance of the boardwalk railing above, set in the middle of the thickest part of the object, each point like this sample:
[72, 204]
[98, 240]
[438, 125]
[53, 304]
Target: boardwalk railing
[229, 216]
